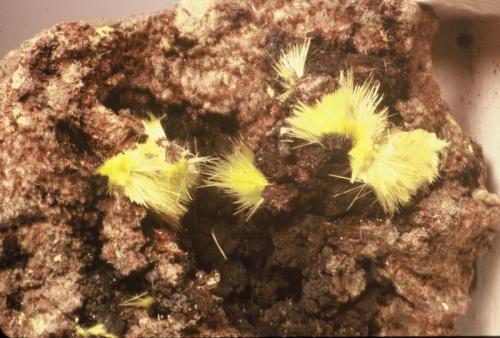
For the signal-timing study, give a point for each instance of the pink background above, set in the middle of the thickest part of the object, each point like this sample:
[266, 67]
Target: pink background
[21, 19]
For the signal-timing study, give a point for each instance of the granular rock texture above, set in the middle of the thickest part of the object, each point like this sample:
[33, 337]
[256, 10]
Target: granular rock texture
[73, 96]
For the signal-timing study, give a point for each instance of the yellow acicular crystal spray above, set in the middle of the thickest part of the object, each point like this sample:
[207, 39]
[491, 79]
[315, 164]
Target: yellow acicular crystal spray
[291, 66]
[240, 178]
[395, 165]
[157, 174]
[403, 164]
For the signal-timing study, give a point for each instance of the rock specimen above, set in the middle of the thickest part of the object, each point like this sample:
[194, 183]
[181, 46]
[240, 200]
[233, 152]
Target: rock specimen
[71, 254]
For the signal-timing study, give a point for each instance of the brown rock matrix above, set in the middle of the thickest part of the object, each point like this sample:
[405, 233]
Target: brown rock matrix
[70, 254]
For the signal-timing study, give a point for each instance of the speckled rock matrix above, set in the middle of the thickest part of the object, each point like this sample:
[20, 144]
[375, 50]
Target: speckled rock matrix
[69, 254]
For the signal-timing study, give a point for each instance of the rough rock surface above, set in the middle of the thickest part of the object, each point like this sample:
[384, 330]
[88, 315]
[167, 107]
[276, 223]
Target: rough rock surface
[72, 97]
